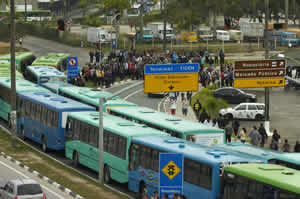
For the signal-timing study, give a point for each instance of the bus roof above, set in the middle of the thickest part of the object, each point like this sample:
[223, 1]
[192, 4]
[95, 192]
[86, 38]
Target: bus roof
[19, 55]
[250, 150]
[289, 157]
[46, 61]
[54, 86]
[192, 151]
[55, 101]
[59, 55]
[165, 120]
[275, 175]
[92, 96]
[22, 85]
[46, 71]
[117, 125]
[5, 71]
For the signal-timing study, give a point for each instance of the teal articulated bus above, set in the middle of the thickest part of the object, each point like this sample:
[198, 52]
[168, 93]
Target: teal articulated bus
[82, 142]
[176, 127]
[91, 97]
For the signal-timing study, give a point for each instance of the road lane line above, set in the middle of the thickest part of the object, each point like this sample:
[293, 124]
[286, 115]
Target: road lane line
[21, 174]
[128, 96]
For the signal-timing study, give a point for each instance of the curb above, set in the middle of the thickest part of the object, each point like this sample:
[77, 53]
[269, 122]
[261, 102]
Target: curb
[44, 178]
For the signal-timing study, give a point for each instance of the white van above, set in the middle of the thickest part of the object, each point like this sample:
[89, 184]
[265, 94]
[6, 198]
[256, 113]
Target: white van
[222, 35]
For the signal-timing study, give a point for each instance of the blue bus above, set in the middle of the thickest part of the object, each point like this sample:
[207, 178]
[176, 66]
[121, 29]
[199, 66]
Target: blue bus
[42, 74]
[42, 117]
[203, 166]
[250, 150]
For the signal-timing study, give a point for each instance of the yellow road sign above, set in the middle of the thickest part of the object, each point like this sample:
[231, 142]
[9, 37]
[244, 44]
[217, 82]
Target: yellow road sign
[171, 170]
[171, 82]
[259, 83]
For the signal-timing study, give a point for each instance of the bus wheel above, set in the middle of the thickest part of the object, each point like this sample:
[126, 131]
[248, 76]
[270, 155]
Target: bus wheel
[44, 144]
[143, 190]
[75, 159]
[107, 178]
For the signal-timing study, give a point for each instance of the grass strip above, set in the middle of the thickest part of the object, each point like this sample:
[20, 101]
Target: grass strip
[57, 172]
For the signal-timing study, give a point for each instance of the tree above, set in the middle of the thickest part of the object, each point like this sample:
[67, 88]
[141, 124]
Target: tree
[117, 5]
[84, 5]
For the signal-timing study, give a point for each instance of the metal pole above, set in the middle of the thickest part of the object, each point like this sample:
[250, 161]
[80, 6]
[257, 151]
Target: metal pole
[267, 90]
[165, 24]
[100, 140]
[287, 13]
[142, 21]
[13, 74]
[25, 10]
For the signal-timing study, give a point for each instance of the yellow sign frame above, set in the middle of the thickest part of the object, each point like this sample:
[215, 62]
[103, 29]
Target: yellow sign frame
[259, 83]
[177, 82]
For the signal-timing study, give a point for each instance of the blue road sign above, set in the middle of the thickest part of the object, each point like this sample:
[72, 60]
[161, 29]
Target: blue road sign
[72, 67]
[171, 68]
[170, 174]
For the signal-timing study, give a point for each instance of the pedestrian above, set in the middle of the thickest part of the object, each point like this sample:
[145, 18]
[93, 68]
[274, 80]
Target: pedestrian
[175, 195]
[242, 135]
[228, 132]
[165, 196]
[185, 106]
[221, 122]
[182, 96]
[297, 147]
[263, 134]
[91, 54]
[255, 137]
[276, 138]
[97, 56]
[197, 107]
[173, 107]
[286, 146]
[235, 126]
[274, 145]
[155, 195]
[203, 116]
[189, 96]
[20, 41]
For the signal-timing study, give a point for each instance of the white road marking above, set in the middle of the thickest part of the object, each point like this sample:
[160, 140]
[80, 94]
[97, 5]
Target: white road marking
[18, 172]
[128, 96]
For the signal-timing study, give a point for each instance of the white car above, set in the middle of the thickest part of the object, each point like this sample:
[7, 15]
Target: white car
[22, 189]
[245, 111]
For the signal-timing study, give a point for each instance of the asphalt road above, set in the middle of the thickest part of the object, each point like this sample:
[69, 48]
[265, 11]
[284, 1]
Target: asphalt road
[42, 47]
[9, 171]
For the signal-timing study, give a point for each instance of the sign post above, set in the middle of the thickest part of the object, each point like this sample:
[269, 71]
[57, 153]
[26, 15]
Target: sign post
[72, 67]
[259, 74]
[170, 174]
[171, 78]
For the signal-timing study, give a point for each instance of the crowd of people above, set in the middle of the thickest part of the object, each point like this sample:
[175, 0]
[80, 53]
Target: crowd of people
[130, 64]
[257, 136]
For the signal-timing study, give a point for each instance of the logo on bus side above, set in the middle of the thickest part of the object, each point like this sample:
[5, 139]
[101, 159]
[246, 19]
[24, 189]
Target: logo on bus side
[171, 170]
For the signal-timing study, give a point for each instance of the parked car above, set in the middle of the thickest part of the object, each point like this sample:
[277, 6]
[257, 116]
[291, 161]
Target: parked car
[245, 111]
[22, 189]
[234, 95]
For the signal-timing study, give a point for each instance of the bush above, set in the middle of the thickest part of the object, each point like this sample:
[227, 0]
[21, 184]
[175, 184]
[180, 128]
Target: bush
[209, 103]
